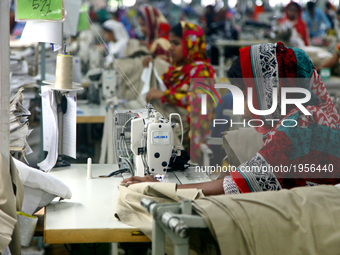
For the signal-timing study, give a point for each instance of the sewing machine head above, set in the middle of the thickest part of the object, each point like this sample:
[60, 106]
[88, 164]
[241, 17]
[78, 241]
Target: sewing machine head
[144, 141]
[152, 142]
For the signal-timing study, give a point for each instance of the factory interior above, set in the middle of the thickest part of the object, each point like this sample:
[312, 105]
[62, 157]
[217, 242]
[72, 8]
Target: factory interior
[148, 127]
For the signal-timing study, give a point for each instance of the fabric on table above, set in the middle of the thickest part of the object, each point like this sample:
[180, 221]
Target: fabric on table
[40, 187]
[130, 211]
[302, 220]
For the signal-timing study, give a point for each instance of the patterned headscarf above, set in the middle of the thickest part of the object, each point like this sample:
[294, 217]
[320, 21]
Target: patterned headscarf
[196, 63]
[314, 143]
[178, 81]
[158, 30]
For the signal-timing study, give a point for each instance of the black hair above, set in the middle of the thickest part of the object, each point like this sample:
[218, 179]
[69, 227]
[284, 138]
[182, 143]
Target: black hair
[106, 29]
[296, 5]
[140, 15]
[235, 74]
[210, 8]
[310, 6]
[115, 14]
[177, 30]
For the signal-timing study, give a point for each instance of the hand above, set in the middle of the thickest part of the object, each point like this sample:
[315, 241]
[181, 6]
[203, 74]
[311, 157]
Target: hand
[136, 179]
[154, 94]
[147, 60]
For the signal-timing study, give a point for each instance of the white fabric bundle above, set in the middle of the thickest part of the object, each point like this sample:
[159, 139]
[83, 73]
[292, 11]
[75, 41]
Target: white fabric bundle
[40, 187]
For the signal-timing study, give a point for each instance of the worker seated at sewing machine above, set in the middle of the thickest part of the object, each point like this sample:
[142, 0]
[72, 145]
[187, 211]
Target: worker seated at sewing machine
[321, 49]
[314, 140]
[189, 61]
[167, 87]
[155, 28]
[117, 37]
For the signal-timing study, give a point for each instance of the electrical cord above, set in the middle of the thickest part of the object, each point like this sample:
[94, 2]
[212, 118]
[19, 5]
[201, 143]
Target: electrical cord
[127, 160]
[119, 171]
[69, 250]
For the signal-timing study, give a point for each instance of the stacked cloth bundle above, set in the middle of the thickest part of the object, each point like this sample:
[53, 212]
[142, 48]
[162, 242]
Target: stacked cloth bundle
[302, 220]
[19, 125]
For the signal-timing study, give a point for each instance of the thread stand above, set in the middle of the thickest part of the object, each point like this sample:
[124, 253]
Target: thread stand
[62, 85]
[61, 111]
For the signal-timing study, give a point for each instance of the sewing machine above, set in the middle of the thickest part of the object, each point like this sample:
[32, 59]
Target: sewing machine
[144, 141]
[102, 85]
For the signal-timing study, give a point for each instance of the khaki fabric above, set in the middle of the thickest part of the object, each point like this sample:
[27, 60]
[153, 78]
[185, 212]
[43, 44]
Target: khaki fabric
[11, 197]
[303, 220]
[134, 46]
[130, 70]
[241, 145]
[7, 224]
[130, 211]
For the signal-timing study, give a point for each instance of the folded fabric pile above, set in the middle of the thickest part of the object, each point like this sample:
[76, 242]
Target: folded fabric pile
[304, 220]
[19, 125]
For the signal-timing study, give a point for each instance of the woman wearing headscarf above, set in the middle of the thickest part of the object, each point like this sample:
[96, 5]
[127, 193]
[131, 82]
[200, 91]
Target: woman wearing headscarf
[306, 154]
[310, 150]
[188, 52]
[156, 29]
[116, 35]
[293, 20]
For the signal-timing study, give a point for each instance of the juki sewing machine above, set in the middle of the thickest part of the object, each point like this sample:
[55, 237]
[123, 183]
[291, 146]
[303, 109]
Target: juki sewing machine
[150, 139]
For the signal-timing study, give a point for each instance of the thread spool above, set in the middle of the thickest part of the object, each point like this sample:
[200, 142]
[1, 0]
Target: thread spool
[64, 71]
